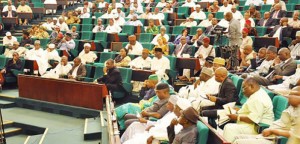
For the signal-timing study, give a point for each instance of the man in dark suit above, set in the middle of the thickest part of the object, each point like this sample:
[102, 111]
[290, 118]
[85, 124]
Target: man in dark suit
[14, 63]
[227, 93]
[283, 65]
[281, 31]
[182, 48]
[78, 70]
[266, 21]
[9, 13]
[210, 30]
[277, 13]
[112, 77]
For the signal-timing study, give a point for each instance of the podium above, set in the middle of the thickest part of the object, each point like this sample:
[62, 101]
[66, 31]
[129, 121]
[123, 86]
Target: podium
[188, 63]
[141, 75]
[11, 20]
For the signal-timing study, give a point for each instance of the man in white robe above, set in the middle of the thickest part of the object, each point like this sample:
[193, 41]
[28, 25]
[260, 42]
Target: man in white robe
[161, 34]
[141, 62]
[60, 70]
[51, 54]
[139, 132]
[15, 48]
[9, 39]
[112, 27]
[38, 54]
[86, 55]
[134, 47]
[160, 64]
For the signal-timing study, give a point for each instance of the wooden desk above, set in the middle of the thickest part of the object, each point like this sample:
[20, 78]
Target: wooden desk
[265, 42]
[12, 20]
[62, 2]
[50, 6]
[24, 15]
[141, 75]
[62, 91]
[188, 63]
[39, 11]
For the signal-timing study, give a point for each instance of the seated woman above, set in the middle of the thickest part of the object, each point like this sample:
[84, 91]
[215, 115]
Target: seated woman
[14, 63]
[161, 43]
[184, 33]
[122, 60]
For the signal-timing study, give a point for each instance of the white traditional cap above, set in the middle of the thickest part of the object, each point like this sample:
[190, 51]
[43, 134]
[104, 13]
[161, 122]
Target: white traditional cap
[198, 6]
[8, 34]
[298, 33]
[16, 43]
[37, 42]
[207, 71]
[183, 103]
[115, 15]
[173, 99]
[233, 6]
[87, 44]
[52, 46]
[55, 18]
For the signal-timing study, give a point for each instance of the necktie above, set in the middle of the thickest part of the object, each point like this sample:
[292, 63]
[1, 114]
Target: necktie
[280, 35]
[179, 50]
[275, 15]
[264, 24]
[9, 14]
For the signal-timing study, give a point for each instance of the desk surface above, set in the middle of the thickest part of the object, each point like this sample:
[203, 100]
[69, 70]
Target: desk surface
[62, 91]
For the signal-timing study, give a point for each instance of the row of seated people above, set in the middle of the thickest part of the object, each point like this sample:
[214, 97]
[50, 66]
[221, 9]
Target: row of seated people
[214, 90]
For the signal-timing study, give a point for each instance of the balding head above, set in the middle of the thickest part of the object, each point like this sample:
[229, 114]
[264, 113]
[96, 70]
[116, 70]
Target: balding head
[221, 74]
[277, 7]
[284, 54]
[228, 16]
[262, 53]
[132, 39]
[247, 49]
[267, 15]
[250, 86]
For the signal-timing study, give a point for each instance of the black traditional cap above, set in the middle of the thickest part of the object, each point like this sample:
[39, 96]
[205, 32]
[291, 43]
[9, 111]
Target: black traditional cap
[69, 34]
[161, 86]
[158, 50]
[210, 59]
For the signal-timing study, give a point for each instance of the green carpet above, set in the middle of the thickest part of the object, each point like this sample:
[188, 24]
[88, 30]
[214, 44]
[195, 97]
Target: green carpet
[62, 129]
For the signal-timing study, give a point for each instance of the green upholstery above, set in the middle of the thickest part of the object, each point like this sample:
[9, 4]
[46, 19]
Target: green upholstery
[124, 44]
[98, 71]
[270, 93]
[19, 38]
[193, 29]
[230, 75]
[202, 133]
[128, 29]
[242, 2]
[38, 5]
[178, 29]
[172, 72]
[245, 8]
[88, 77]
[219, 15]
[266, 7]
[290, 7]
[76, 43]
[86, 35]
[171, 48]
[105, 56]
[3, 61]
[282, 140]
[298, 61]
[261, 31]
[36, 1]
[280, 103]
[237, 81]
[77, 26]
[242, 97]
[44, 42]
[293, 1]
[126, 74]
[97, 14]
[148, 46]
[183, 12]
[87, 27]
[102, 38]
[87, 21]
[145, 37]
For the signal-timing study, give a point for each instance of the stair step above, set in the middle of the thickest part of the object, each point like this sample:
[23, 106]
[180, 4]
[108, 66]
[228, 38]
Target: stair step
[12, 131]
[7, 104]
[92, 128]
[7, 123]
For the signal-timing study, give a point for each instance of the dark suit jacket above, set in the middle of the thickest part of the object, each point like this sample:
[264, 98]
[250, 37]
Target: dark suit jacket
[281, 14]
[187, 49]
[81, 72]
[14, 14]
[228, 93]
[113, 80]
[286, 32]
[10, 65]
[210, 28]
[289, 68]
[270, 22]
